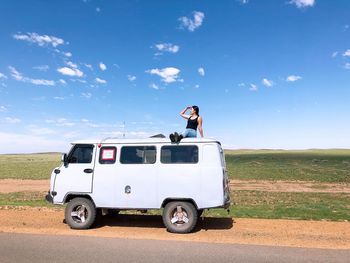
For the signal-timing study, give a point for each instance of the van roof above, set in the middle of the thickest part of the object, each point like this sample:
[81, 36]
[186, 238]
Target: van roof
[144, 140]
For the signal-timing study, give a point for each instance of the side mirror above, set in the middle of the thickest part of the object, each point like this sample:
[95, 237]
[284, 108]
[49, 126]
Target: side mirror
[64, 159]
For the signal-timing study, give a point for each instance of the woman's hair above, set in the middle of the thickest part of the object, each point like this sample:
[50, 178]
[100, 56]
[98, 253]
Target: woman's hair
[196, 109]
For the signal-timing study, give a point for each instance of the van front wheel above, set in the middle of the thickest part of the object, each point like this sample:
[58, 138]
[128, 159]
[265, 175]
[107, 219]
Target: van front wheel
[180, 217]
[80, 213]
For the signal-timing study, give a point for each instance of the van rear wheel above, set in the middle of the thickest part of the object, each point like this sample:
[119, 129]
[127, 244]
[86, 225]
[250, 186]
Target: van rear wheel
[80, 213]
[180, 217]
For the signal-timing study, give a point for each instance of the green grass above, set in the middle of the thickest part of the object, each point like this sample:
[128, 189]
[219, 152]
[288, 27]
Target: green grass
[247, 204]
[28, 166]
[305, 206]
[36, 199]
[307, 165]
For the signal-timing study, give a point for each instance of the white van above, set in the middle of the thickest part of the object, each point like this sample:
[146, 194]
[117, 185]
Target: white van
[139, 174]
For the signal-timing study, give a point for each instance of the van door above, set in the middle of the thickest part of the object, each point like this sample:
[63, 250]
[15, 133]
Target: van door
[136, 187]
[76, 176]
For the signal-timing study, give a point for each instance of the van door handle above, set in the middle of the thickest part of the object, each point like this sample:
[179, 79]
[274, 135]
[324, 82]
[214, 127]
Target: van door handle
[88, 171]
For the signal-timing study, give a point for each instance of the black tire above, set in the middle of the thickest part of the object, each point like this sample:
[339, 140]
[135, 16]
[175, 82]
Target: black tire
[80, 213]
[184, 212]
[200, 212]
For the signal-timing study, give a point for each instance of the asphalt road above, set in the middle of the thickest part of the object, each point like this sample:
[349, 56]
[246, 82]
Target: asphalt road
[45, 248]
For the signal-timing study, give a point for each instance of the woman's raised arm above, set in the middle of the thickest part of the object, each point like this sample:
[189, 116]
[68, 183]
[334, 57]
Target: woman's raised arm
[182, 113]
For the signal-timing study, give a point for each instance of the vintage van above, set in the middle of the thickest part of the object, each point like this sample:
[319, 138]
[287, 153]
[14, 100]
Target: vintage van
[139, 174]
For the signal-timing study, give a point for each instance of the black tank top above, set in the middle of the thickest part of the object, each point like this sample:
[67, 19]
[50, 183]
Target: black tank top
[192, 124]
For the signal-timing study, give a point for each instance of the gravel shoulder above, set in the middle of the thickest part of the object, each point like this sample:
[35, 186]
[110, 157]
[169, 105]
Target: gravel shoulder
[15, 185]
[291, 233]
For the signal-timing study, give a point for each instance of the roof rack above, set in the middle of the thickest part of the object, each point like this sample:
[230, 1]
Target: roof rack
[160, 135]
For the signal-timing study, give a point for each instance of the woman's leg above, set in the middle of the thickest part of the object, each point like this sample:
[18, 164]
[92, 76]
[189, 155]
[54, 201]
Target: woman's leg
[188, 133]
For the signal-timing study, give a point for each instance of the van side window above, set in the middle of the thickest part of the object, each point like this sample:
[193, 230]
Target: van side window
[81, 154]
[138, 154]
[179, 154]
[108, 155]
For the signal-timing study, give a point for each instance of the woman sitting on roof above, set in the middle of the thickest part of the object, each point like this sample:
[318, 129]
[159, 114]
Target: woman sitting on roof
[194, 121]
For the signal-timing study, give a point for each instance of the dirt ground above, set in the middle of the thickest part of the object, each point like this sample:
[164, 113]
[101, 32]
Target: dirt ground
[292, 233]
[14, 185]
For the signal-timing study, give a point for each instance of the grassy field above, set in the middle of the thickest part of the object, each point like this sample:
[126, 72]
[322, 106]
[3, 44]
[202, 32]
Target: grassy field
[28, 166]
[35, 199]
[312, 165]
[308, 165]
[247, 204]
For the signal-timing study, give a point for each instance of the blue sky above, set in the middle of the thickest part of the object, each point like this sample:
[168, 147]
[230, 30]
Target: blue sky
[265, 74]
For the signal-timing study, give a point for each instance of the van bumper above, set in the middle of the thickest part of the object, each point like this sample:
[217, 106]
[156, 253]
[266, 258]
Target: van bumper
[49, 197]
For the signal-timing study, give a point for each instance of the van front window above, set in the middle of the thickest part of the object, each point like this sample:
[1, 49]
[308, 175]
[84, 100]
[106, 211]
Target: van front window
[81, 154]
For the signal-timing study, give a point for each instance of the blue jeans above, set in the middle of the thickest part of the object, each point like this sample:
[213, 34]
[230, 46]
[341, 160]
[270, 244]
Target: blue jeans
[189, 133]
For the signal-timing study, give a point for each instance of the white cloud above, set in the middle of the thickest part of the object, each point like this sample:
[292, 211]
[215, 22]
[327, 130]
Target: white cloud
[25, 143]
[253, 87]
[192, 24]
[98, 9]
[72, 65]
[168, 75]
[293, 78]
[3, 109]
[44, 82]
[241, 85]
[41, 40]
[58, 98]
[70, 72]
[334, 54]
[40, 131]
[101, 81]
[67, 54]
[12, 120]
[201, 71]
[103, 67]
[19, 77]
[302, 3]
[267, 83]
[62, 81]
[244, 1]
[86, 95]
[3, 76]
[346, 53]
[131, 78]
[196, 86]
[78, 80]
[153, 86]
[167, 47]
[42, 68]
[347, 65]
[60, 122]
[89, 66]
[15, 74]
